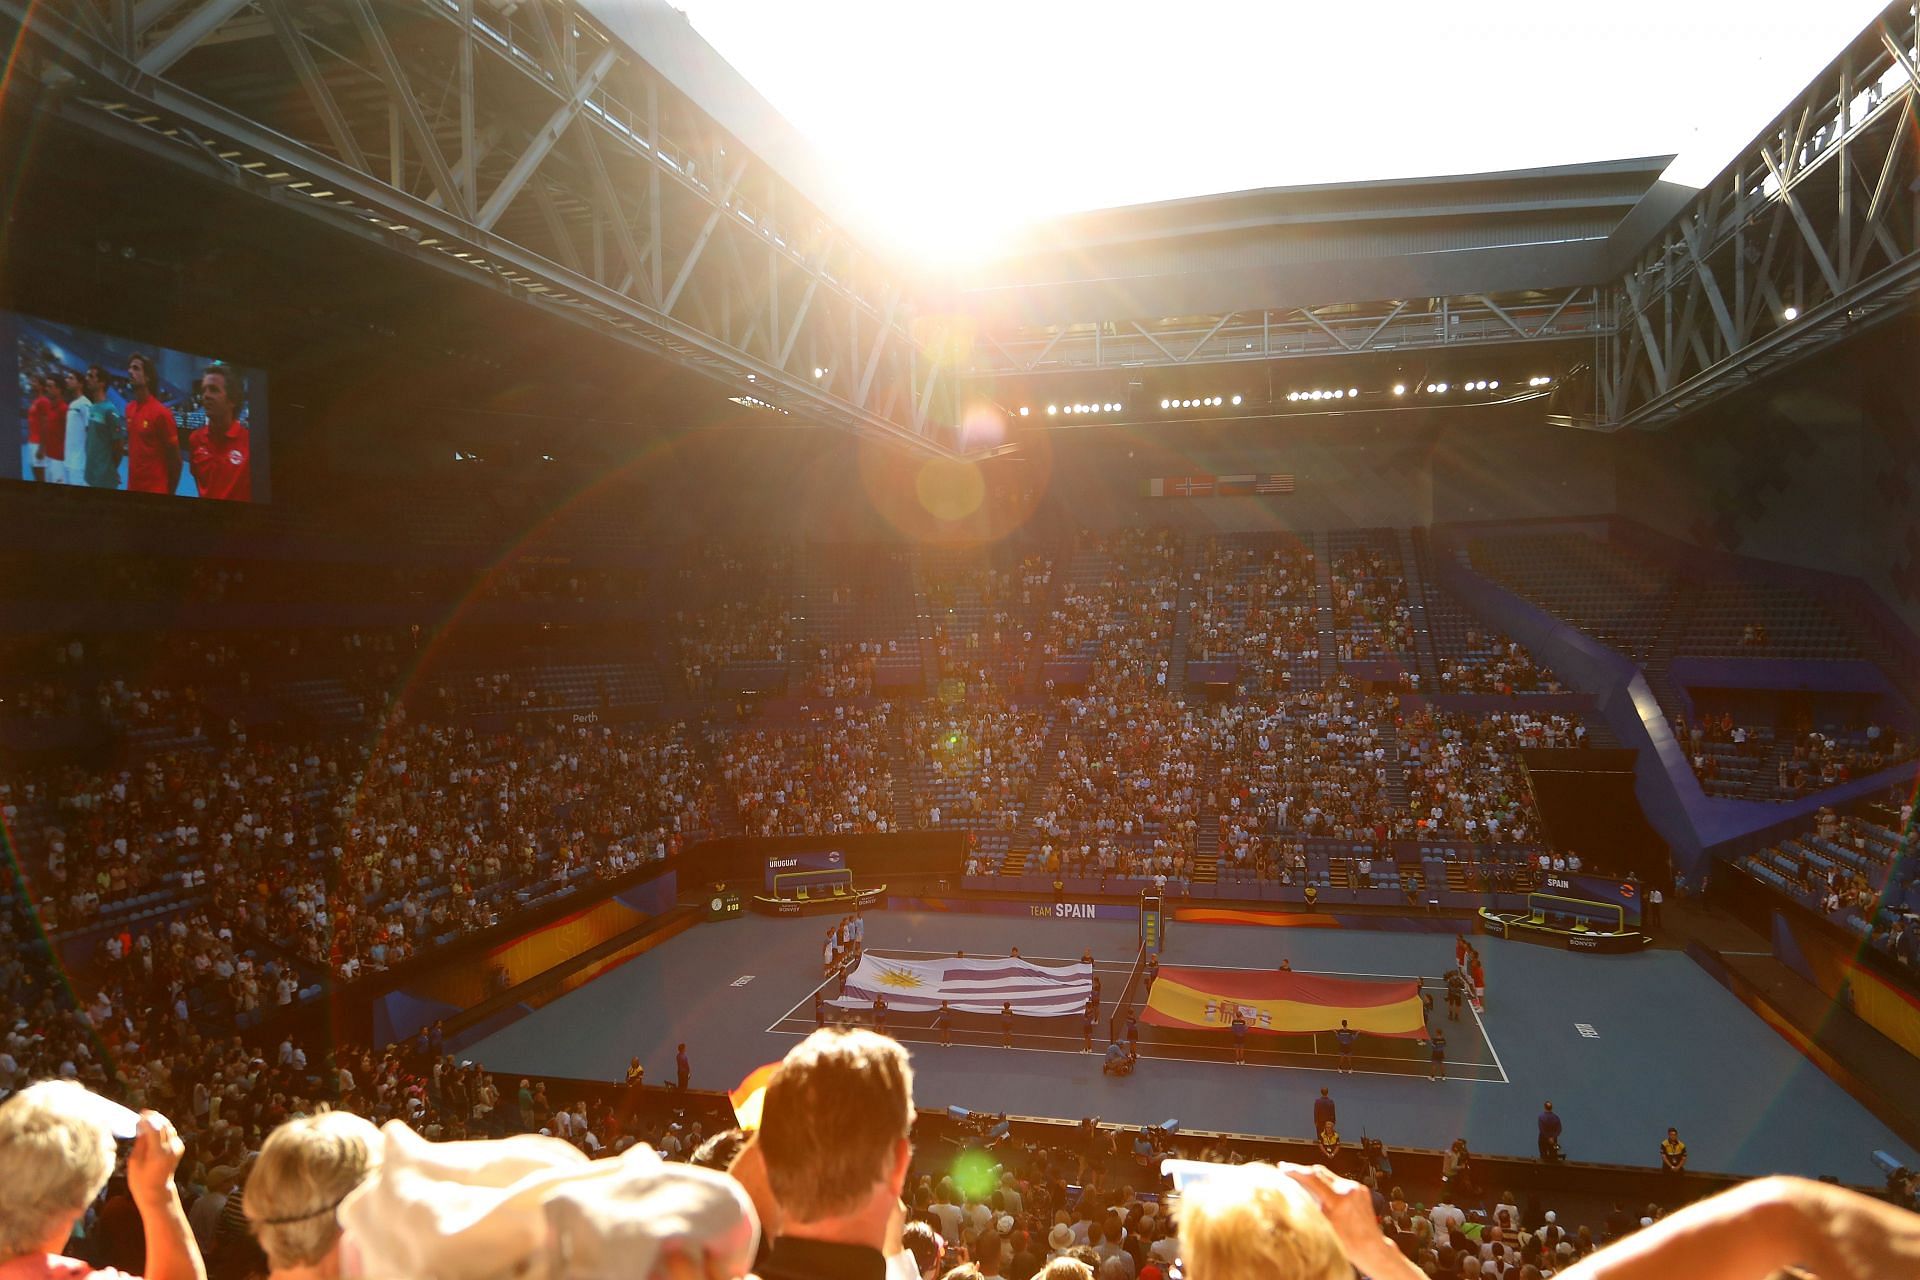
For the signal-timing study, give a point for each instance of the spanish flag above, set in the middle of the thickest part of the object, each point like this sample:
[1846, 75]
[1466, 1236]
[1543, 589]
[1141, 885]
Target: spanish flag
[1285, 1003]
[751, 1094]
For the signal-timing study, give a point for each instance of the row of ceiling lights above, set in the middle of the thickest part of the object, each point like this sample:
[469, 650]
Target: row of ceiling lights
[1213, 402]
[1204, 402]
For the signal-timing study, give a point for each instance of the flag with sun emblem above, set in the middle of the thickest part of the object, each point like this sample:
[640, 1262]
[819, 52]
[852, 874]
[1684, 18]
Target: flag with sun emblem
[971, 984]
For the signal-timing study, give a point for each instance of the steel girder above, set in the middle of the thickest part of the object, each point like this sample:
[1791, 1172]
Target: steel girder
[515, 144]
[1820, 215]
[1422, 324]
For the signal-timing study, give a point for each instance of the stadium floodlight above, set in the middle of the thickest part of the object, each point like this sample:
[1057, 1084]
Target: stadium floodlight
[1023, 410]
[1236, 399]
[1443, 386]
[818, 372]
[1399, 388]
[1791, 313]
[1166, 404]
[1495, 384]
[1352, 392]
[1052, 409]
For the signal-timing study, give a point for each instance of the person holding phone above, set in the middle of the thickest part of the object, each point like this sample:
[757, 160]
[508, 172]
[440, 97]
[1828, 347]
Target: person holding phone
[56, 1153]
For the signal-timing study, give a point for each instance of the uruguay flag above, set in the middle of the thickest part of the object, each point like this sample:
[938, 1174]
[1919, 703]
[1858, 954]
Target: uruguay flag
[971, 984]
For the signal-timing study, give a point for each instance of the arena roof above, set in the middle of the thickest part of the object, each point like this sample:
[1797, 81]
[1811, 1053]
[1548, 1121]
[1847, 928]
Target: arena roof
[954, 126]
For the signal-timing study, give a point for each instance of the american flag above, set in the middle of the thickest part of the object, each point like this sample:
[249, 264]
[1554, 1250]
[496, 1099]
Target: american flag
[1273, 484]
[971, 984]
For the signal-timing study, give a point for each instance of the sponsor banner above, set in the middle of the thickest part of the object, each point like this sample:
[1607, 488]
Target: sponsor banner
[1621, 893]
[1049, 911]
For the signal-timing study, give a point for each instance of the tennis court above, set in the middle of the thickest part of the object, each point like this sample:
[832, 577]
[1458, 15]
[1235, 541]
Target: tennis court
[1623, 1045]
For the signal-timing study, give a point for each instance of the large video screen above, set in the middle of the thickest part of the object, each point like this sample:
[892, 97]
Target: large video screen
[101, 412]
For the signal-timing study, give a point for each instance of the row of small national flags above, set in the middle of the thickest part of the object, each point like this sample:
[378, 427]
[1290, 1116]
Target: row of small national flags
[1217, 486]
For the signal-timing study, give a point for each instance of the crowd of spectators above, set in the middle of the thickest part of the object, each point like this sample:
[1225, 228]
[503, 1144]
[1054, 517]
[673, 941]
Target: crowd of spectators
[1312, 763]
[737, 609]
[1255, 602]
[1371, 612]
[1119, 613]
[830, 774]
[1465, 778]
[246, 1163]
[1493, 664]
[977, 761]
[991, 646]
[1726, 753]
[355, 857]
[1129, 783]
[847, 669]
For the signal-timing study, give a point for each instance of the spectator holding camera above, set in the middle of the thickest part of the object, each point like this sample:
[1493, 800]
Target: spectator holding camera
[56, 1153]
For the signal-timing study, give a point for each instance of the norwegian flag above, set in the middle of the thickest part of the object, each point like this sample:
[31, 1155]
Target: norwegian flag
[1193, 487]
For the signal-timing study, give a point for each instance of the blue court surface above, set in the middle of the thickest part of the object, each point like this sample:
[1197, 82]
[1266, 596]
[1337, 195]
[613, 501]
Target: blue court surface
[1623, 1045]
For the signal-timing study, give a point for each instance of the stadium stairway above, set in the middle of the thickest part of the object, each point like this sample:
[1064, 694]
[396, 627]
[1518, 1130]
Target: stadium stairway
[1413, 569]
[906, 812]
[1396, 785]
[1206, 851]
[1323, 609]
[1675, 617]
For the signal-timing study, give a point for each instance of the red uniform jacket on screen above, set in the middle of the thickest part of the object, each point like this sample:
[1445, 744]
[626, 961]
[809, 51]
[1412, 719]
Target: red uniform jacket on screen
[153, 447]
[47, 427]
[222, 466]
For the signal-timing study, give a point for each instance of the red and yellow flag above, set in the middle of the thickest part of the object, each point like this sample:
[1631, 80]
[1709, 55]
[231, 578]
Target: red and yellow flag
[1285, 1003]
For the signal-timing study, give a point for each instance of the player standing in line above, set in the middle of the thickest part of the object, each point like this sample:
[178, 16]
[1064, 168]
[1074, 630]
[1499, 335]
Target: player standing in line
[1479, 975]
[153, 437]
[1456, 994]
[106, 433]
[943, 1022]
[1345, 1037]
[221, 453]
[79, 409]
[46, 419]
[1239, 1037]
[1437, 1038]
[1006, 1024]
[1087, 1019]
[830, 953]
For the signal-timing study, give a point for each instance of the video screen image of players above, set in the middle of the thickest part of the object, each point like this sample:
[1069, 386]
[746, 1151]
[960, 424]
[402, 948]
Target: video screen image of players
[103, 412]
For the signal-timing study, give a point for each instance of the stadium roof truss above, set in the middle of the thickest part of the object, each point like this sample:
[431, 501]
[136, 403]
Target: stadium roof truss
[524, 144]
[1686, 299]
[1811, 234]
[519, 144]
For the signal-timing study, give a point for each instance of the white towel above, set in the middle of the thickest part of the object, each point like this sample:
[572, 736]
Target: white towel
[534, 1208]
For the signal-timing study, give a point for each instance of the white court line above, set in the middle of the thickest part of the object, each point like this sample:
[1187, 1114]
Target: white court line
[1154, 1057]
[1071, 1039]
[1489, 1039]
[805, 999]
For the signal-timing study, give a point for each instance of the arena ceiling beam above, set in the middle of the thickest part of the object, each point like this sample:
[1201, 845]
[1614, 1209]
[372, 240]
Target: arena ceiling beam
[1462, 322]
[522, 147]
[1809, 236]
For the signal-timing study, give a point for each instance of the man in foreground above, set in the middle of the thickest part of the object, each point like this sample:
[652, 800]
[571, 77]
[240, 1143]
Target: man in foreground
[833, 1144]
